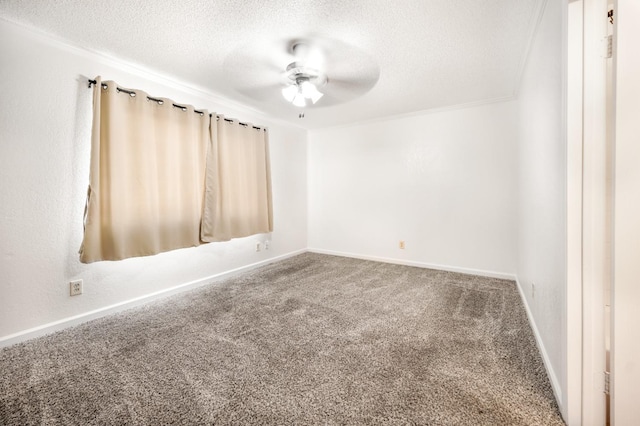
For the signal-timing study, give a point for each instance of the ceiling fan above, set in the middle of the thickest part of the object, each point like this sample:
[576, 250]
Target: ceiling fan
[302, 72]
[305, 75]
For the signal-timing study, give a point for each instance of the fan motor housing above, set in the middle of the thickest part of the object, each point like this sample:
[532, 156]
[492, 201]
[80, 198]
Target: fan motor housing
[297, 72]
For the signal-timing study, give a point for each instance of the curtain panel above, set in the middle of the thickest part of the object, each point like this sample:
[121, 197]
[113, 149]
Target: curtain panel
[164, 177]
[237, 200]
[147, 175]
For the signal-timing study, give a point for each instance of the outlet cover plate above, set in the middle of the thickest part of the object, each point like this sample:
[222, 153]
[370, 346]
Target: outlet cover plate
[75, 287]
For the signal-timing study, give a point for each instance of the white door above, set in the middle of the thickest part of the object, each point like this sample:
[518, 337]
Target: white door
[625, 350]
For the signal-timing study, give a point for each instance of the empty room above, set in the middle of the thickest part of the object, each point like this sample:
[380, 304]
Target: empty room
[319, 212]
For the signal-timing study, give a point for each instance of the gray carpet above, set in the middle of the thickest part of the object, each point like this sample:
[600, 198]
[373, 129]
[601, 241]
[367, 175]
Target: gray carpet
[313, 339]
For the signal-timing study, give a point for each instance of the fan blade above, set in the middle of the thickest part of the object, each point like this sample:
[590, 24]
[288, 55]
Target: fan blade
[309, 54]
[267, 92]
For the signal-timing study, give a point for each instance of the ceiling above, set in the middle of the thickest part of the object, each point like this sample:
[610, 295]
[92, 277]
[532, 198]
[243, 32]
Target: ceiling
[425, 54]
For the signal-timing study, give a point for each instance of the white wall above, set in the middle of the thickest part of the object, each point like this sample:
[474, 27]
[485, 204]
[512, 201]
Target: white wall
[542, 170]
[444, 182]
[45, 123]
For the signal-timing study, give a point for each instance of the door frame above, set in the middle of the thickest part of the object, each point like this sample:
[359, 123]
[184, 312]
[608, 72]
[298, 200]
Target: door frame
[625, 347]
[588, 229]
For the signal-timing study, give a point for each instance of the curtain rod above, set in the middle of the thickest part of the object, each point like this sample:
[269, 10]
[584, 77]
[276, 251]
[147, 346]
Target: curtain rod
[160, 102]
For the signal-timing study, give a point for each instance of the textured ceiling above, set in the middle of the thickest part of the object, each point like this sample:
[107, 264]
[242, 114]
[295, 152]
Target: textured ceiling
[430, 53]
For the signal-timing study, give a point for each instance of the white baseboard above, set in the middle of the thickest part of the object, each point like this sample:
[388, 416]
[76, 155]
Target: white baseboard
[555, 384]
[469, 271]
[61, 324]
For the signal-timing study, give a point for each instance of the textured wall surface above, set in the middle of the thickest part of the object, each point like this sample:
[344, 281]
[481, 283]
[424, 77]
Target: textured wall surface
[542, 170]
[45, 124]
[442, 182]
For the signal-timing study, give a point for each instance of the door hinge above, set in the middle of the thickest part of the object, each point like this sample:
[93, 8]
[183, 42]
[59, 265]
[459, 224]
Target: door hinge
[607, 47]
[606, 382]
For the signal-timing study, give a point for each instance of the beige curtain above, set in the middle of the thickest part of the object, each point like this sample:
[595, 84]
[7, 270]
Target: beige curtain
[238, 182]
[147, 175]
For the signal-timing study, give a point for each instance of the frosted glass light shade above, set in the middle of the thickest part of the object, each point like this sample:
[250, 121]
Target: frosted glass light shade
[299, 92]
[310, 91]
[290, 92]
[315, 97]
[306, 88]
[298, 100]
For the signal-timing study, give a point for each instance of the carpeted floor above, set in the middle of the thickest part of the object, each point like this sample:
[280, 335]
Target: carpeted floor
[314, 339]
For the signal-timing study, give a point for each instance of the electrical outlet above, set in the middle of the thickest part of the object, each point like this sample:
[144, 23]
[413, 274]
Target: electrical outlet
[267, 244]
[75, 288]
[533, 291]
[401, 244]
[258, 246]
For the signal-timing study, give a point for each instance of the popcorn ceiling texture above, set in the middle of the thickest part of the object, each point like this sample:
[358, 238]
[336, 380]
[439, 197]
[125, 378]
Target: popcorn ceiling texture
[310, 340]
[431, 53]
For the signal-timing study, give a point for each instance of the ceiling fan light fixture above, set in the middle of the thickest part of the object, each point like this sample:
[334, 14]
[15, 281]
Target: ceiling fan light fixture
[310, 91]
[299, 100]
[290, 92]
[301, 90]
[316, 95]
[304, 83]
[306, 88]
